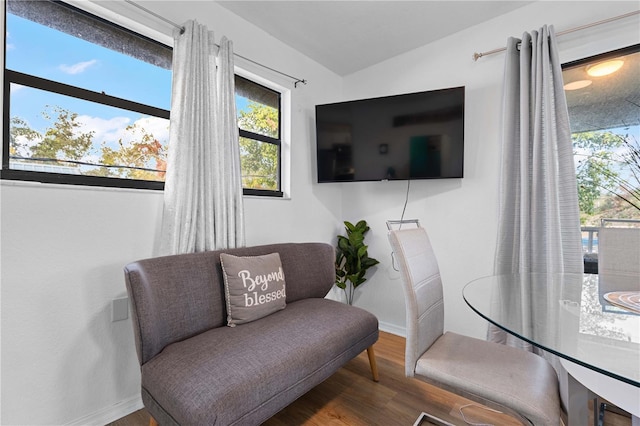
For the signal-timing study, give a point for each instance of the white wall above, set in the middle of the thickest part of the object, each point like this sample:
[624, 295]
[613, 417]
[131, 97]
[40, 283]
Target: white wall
[461, 215]
[63, 247]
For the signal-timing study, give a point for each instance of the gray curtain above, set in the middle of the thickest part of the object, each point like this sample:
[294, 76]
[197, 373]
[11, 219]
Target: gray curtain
[539, 225]
[203, 207]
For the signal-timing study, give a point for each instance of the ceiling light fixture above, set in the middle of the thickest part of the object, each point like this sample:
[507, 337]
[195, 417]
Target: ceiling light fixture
[605, 68]
[575, 85]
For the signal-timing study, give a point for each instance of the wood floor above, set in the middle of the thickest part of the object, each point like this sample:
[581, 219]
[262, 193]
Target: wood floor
[351, 398]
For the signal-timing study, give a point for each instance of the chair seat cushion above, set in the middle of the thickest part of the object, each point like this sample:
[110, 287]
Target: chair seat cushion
[522, 381]
[247, 373]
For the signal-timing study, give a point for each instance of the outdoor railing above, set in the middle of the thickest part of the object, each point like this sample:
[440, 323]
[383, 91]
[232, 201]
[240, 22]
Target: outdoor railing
[589, 239]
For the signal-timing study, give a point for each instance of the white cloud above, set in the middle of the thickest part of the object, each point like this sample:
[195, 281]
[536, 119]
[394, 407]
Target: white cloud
[23, 141]
[24, 144]
[77, 68]
[158, 127]
[15, 87]
[108, 131]
[112, 130]
[10, 46]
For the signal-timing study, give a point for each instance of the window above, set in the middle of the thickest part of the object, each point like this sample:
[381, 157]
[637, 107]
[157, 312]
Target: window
[604, 112]
[259, 123]
[87, 102]
[603, 97]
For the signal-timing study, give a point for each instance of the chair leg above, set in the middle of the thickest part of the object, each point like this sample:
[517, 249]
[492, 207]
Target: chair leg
[152, 421]
[372, 363]
[598, 411]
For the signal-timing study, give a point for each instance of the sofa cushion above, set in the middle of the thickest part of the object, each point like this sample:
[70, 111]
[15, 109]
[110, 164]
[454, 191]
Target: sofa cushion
[254, 286]
[245, 374]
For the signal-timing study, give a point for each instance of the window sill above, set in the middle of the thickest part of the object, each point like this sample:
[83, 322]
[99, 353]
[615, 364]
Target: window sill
[17, 178]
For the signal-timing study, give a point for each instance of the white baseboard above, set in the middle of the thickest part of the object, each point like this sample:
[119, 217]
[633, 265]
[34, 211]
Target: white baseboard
[393, 329]
[110, 414]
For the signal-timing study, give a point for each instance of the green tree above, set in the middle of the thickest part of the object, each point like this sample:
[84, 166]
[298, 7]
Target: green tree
[259, 164]
[20, 131]
[259, 160]
[631, 158]
[144, 158]
[607, 165]
[141, 155]
[64, 140]
[259, 118]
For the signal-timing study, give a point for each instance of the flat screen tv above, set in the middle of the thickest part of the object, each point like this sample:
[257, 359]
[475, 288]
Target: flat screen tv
[409, 136]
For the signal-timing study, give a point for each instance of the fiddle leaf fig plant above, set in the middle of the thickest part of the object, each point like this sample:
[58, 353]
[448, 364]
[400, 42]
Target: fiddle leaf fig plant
[352, 259]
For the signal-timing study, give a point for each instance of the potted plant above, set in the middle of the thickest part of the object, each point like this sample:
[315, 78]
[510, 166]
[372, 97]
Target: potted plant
[352, 259]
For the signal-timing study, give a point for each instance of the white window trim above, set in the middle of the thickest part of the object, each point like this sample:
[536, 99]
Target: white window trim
[285, 129]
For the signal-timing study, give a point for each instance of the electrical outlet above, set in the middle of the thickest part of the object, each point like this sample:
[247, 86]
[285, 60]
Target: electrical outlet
[119, 309]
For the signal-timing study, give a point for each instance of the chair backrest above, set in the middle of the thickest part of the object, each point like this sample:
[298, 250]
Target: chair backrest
[422, 289]
[619, 247]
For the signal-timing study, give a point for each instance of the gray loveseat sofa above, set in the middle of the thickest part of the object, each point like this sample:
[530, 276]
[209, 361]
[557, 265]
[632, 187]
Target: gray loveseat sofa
[198, 371]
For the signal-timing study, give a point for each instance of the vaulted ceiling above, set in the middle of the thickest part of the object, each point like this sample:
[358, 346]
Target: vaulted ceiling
[347, 36]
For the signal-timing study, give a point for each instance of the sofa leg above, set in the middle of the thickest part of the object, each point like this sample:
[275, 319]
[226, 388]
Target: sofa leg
[372, 363]
[152, 421]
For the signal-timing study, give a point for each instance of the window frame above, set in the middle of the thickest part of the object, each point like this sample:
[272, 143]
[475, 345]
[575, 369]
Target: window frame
[51, 86]
[590, 258]
[600, 57]
[35, 82]
[16, 77]
[266, 139]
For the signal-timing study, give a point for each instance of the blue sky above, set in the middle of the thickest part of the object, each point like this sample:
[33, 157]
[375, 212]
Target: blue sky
[44, 52]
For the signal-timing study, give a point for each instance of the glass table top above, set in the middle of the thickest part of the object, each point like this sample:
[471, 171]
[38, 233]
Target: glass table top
[570, 315]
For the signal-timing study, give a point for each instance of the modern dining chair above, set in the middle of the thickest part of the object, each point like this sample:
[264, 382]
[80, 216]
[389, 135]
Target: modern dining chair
[618, 256]
[500, 377]
[619, 247]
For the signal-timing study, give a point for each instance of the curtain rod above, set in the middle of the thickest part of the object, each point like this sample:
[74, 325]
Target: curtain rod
[477, 56]
[181, 28]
